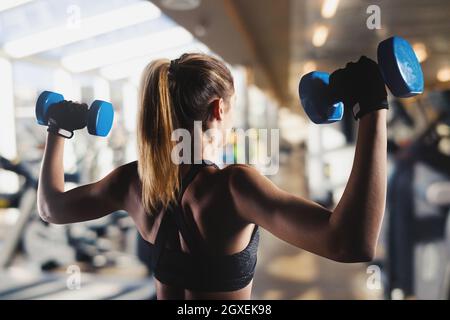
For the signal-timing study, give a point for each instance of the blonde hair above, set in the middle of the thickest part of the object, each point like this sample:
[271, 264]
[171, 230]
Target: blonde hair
[173, 95]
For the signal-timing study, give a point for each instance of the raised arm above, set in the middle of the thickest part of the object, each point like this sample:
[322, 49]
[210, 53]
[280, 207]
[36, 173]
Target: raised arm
[84, 203]
[349, 233]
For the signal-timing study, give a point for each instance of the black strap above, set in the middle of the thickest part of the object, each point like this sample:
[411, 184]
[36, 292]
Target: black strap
[160, 241]
[186, 181]
[192, 238]
[174, 214]
[189, 232]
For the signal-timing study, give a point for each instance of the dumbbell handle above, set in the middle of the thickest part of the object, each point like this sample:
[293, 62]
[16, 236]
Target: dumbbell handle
[53, 126]
[337, 96]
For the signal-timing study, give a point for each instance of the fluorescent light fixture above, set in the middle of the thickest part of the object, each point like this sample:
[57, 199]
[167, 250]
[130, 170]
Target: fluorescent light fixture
[329, 8]
[8, 146]
[88, 28]
[320, 36]
[9, 4]
[117, 52]
[421, 51]
[128, 68]
[443, 75]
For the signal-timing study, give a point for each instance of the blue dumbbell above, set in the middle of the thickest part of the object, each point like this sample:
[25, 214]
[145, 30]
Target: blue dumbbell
[401, 72]
[99, 117]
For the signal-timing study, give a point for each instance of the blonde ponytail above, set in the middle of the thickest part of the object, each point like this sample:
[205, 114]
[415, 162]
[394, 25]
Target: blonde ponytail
[156, 121]
[173, 95]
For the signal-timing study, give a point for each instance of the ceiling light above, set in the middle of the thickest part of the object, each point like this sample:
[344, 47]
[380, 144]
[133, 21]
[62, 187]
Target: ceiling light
[329, 8]
[121, 51]
[320, 36]
[421, 51]
[9, 4]
[89, 27]
[443, 74]
[181, 5]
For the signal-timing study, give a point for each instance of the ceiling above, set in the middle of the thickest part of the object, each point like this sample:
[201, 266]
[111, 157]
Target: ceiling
[254, 33]
[274, 37]
[271, 37]
[114, 39]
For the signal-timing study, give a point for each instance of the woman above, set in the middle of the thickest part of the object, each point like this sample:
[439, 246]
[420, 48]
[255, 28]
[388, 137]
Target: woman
[202, 222]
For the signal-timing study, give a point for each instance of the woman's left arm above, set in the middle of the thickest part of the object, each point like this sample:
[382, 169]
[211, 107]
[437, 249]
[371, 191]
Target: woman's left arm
[84, 203]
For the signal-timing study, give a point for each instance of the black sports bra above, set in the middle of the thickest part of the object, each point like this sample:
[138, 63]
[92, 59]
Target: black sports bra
[198, 270]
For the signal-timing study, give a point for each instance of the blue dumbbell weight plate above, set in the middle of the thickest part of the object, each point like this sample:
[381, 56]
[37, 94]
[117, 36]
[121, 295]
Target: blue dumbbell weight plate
[400, 67]
[45, 100]
[316, 98]
[100, 119]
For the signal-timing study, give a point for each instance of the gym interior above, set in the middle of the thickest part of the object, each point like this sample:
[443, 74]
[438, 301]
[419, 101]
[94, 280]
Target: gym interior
[97, 50]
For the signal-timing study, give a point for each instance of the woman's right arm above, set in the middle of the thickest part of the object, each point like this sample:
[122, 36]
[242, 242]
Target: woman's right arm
[348, 233]
[87, 202]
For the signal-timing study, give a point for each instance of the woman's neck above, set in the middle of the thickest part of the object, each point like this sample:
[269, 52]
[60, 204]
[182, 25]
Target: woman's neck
[205, 151]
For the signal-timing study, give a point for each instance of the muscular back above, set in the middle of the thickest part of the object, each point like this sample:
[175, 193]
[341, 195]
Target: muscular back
[209, 202]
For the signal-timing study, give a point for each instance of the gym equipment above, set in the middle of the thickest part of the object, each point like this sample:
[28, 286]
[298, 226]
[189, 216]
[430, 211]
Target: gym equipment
[98, 243]
[439, 193]
[36, 238]
[101, 242]
[99, 117]
[47, 245]
[418, 251]
[400, 114]
[401, 72]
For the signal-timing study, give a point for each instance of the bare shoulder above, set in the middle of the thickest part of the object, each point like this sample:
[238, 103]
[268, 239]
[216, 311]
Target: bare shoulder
[243, 178]
[125, 174]
[239, 170]
[216, 184]
[254, 196]
[122, 182]
[130, 168]
[247, 185]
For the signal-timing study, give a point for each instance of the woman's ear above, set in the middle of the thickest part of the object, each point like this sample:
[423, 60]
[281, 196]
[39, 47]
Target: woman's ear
[218, 109]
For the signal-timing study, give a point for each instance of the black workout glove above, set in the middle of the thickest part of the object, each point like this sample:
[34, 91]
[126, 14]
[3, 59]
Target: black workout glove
[361, 87]
[66, 117]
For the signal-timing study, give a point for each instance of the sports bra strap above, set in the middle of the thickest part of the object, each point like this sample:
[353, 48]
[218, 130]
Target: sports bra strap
[186, 181]
[174, 214]
[189, 231]
[192, 173]
[160, 241]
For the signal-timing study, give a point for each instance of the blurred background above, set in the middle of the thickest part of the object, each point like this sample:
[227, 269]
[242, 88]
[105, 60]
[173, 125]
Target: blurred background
[90, 50]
